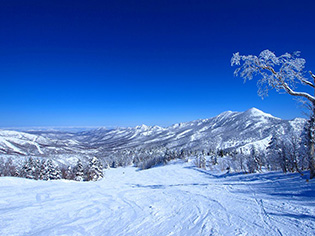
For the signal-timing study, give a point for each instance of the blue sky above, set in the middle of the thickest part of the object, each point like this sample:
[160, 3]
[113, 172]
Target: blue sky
[125, 63]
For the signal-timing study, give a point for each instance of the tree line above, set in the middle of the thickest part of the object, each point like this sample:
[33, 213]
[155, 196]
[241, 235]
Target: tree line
[286, 154]
[45, 169]
[289, 154]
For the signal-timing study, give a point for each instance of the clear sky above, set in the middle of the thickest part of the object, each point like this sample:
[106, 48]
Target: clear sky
[126, 63]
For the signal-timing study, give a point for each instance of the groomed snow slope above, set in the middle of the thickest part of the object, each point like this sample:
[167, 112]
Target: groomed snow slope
[176, 199]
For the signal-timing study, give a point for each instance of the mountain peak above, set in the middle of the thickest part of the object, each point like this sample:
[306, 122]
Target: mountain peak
[256, 112]
[142, 127]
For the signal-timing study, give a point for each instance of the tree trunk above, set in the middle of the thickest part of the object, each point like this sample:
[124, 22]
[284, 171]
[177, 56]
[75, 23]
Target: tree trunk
[312, 143]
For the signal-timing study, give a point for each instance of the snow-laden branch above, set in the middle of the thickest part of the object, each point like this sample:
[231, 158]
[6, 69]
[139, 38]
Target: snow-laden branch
[280, 73]
[299, 94]
[306, 82]
[289, 90]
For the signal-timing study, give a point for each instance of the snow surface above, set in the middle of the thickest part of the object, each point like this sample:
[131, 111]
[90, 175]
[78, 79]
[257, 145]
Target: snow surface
[176, 199]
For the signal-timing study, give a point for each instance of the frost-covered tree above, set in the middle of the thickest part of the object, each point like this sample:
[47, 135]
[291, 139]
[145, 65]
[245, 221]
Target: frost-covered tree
[78, 171]
[201, 161]
[28, 169]
[43, 170]
[1, 166]
[95, 171]
[274, 151]
[168, 155]
[252, 161]
[293, 154]
[239, 160]
[282, 73]
[9, 168]
[67, 173]
[53, 170]
[37, 166]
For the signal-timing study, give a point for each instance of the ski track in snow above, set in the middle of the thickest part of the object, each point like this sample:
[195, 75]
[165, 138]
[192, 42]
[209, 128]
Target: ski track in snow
[176, 199]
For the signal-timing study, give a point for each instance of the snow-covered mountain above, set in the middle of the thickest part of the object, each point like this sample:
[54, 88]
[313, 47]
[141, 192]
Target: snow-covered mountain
[228, 130]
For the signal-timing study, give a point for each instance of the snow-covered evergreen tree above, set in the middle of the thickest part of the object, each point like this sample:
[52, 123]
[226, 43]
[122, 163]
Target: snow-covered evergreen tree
[37, 166]
[78, 171]
[28, 169]
[1, 166]
[67, 173]
[53, 171]
[95, 171]
[43, 170]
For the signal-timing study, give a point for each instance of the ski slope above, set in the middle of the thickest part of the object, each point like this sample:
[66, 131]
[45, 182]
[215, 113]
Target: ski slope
[176, 199]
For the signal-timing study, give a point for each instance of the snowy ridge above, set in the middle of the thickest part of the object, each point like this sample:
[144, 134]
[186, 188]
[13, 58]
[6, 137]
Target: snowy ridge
[237, 130]
[228, 130]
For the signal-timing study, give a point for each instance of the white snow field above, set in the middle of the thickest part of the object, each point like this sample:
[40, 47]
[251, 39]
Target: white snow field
[175, 199]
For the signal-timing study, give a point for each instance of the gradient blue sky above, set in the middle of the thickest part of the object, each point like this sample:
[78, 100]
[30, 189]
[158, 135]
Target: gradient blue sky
[125, 63]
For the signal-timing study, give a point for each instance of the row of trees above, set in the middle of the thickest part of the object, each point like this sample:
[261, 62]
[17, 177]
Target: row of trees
[164, 158]
[143, 158]
[283, 153]
[45, 169]
[289, 154]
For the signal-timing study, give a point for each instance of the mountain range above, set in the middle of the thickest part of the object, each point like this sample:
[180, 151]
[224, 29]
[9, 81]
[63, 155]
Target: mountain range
[227, 131]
